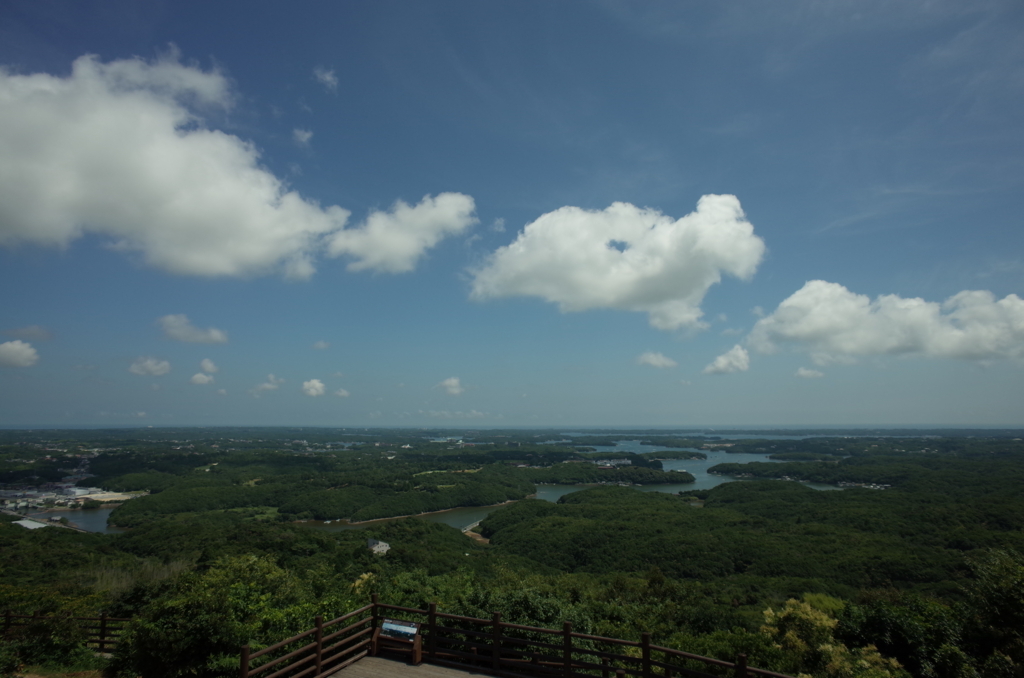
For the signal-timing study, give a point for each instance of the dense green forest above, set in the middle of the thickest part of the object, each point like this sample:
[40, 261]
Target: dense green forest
[357, 484]
[922, 578]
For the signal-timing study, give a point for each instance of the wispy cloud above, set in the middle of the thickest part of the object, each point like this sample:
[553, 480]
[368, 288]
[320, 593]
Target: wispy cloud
[179, 328]
[271, 384]
[655, 360]
[326, 77]
[30, 333]
[735, 359]
[150, 367]
[302, 137]
[447, 414]
[452, 385]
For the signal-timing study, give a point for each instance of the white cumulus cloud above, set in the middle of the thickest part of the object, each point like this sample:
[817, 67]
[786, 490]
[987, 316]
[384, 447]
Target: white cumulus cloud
[452, 385]
[626, 258]
[342, 393]
[394, 241]
[655, 360]
[120, 150]
[314, 387]
[326, 77]
[200, 378]
[834, 324]
[17, 353]
[208, 365]
[736, 359]
[150, 367]
[805, 373]
[179, 328]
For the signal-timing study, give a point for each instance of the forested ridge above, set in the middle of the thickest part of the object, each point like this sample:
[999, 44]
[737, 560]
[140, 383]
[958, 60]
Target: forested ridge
[358, 484]
[924, 578]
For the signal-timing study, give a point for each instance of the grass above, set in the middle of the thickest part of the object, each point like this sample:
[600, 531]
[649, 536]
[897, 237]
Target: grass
[113, 579]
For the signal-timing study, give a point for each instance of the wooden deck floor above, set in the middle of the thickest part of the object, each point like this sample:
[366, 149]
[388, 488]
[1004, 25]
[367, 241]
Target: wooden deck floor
[384, 667]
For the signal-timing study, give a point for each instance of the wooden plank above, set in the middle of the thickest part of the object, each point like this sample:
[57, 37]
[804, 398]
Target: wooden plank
[382, 667]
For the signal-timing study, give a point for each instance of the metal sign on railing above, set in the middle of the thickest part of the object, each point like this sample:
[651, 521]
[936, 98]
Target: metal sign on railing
[399, 629]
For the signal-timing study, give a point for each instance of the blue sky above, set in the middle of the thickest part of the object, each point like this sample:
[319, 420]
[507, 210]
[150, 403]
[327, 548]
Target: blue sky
[511, 214]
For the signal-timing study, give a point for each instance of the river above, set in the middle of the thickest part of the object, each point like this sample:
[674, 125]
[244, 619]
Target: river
[95, 520]
[698, 468]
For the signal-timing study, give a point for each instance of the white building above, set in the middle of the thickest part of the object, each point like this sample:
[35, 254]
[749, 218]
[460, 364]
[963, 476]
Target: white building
[378, 548]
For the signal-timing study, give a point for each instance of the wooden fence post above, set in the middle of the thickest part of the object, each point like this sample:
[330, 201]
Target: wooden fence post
[243, 662]
[373, 613]
[741, 666]
[496, 641]
[103, 631]
[645, 654]
[319, 643]
[567, 649]
[432, 628]
[605, 663]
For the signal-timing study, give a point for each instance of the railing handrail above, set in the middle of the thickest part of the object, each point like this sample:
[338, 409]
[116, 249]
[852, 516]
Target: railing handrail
[105, 635]
[486, 648]
[364, 608]
[302, 635]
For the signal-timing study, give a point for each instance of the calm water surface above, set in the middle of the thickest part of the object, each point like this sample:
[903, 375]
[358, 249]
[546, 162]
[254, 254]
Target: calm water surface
[464, 517]
[95, 520]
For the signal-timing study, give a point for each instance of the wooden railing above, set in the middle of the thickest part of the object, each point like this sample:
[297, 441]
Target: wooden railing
[485, 645]
[102, 632]
[327, 652]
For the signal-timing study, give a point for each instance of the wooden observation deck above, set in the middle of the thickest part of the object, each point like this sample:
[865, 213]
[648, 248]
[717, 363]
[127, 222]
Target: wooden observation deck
[439, 645]
[380, 667]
